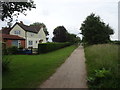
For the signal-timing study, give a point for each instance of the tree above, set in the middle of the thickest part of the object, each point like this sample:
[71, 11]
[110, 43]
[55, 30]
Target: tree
[10, 9]
[73, 38]
[41, 24]
[60, 34]
[95, 31]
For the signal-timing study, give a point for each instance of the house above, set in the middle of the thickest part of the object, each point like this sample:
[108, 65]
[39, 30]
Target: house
[32, 34]
[13, 40]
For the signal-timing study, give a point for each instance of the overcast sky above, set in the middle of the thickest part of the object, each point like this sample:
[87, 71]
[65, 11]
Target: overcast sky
[71, 13]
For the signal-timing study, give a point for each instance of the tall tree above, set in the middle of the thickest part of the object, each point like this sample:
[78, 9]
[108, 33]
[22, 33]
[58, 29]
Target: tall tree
[60, 34]
[10, 9]
[95, 31]
[41, 24]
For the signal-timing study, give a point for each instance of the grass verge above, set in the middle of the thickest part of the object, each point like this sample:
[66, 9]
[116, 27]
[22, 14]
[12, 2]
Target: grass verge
[29, 71]
[103, 66]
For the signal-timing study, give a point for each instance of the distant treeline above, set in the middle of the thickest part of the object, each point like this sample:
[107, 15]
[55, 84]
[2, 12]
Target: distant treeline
[116, 42]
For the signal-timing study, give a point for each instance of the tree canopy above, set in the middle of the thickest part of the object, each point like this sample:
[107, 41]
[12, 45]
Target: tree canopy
[62, 35]
[73, 38]
[95, 31]
[10, 9]
[43, 25]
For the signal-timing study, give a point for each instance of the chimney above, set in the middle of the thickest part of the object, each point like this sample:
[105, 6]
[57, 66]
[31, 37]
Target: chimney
[9, 24]
[21, 22]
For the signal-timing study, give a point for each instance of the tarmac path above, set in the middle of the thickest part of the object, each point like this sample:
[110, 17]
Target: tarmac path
[71, 74]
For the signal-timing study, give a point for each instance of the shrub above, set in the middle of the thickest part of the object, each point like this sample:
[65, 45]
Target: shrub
[47, 47]
[21, 47]
[98, 77]
[12, 50]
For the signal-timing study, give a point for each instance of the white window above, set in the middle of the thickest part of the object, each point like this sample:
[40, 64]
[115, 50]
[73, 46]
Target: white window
[30, 42]
[17, 32]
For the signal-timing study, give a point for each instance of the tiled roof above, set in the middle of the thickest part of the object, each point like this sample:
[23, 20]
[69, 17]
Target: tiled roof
[34, 29]
[6, 30]
[13, 37]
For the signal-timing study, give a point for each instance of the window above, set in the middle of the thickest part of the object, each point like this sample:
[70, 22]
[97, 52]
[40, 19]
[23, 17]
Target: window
[32, 35]
[17, 32]
[36, 41]
[30, 42]
[15, 43]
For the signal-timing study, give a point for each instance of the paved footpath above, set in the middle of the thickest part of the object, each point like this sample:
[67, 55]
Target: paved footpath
[71, 74]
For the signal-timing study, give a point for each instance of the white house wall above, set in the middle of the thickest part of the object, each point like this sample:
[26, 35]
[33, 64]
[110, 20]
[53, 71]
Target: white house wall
[17, 27]
[35, 37]
[35, 42]
[42, 35]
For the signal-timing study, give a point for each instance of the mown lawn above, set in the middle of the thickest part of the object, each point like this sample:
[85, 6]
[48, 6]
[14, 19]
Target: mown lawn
[103, 66]
[29, 71]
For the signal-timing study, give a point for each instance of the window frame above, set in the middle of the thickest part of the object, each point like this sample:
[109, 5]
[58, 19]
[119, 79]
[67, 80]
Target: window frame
[30, 42]
[17, 32]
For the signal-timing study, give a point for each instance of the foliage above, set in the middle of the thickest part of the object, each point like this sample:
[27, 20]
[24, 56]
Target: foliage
[102, 73]
[98, 77]
[12, 50]
[116, 42]
[41, 24]
[95, 31]
[11, 9]
[47, 47]
[60, 34]
[73, 38]
[5, 63]
[21, 47]
[4, 51]
[103, 66]
[29, 71]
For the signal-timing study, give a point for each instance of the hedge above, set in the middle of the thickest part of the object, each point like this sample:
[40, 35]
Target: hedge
[11, 50]
[47, 47]
[116, 42]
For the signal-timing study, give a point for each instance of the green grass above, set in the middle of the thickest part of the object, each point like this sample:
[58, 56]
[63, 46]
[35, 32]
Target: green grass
[29, 71]
[104, 56]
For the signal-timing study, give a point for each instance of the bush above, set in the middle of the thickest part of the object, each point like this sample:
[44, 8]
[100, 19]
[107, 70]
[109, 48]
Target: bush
[21, 47]
[47, 47]
[98, 77]
[12, 50]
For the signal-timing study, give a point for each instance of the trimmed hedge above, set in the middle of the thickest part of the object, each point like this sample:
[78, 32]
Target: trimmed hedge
[47, 47]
